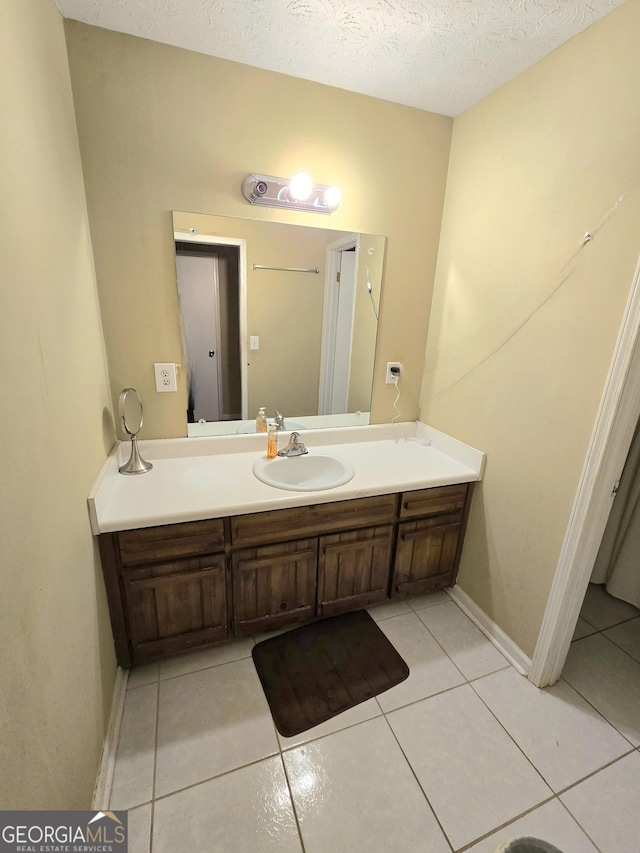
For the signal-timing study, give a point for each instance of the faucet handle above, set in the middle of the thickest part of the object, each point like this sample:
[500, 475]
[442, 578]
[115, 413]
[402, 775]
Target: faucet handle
[295, 446]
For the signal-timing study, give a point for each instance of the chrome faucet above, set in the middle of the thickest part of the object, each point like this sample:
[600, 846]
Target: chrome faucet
[295, 446]
[279, 420]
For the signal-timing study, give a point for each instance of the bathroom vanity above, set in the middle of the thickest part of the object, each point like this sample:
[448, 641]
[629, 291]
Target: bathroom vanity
[199, 551]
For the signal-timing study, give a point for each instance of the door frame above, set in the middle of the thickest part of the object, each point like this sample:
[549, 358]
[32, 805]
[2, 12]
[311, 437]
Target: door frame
[329, 314]
[212, 240]
[213, 335]
[607, 452]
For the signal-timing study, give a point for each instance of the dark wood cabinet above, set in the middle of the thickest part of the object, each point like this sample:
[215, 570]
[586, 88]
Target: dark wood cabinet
[180, 586]
[428, 547]
[274, 585]
[177, 605]
[167, 588]
[354, 569]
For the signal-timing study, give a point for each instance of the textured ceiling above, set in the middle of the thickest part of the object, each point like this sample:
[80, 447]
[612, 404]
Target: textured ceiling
[438, 55]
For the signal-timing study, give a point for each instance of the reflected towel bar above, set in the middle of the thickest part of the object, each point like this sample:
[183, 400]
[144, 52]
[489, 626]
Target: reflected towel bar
[315, 270]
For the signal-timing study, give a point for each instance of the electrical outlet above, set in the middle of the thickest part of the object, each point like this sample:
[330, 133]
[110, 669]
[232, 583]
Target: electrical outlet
[394, 369]
[165, 376]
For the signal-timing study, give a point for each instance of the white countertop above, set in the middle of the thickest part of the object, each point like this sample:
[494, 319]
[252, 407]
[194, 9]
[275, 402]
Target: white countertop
[212, 477]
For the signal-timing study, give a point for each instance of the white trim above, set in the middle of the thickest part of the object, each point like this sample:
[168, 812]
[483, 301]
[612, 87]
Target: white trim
[491, 630]
[209, 239]
[610, 441]
[104, 780]
[329, 314]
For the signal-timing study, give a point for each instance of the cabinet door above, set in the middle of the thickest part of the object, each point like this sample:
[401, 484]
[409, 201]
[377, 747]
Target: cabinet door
[353, 569]
[426, 554]
[274, 585]
[175, 606]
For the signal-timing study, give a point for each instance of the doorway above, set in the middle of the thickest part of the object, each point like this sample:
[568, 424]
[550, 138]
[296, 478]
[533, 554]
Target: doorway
[616, 420]
[210, 302]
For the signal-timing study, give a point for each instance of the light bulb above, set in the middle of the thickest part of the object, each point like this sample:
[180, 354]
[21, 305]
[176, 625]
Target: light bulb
[332, 196]
[300, 186]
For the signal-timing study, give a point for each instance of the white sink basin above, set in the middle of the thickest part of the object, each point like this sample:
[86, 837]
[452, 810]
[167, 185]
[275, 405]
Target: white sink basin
[309, 473]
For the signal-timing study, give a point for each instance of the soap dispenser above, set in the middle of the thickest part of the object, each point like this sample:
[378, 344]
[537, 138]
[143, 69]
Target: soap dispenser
[272, 441]
[261, 420]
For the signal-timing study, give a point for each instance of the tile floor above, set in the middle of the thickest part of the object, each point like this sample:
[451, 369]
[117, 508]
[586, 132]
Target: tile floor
[464, 755]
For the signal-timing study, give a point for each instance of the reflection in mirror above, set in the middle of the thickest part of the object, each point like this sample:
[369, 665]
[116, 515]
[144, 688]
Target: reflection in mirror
[276, 316]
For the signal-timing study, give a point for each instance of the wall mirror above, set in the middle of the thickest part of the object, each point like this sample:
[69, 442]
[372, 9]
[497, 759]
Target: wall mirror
[278, 316]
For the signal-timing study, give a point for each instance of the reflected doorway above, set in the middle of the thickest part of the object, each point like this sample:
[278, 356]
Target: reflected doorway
[209, 291]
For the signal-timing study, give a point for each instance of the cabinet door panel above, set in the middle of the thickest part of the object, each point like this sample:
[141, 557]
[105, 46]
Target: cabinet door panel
[426, 554]
[175, 606]
[274, 585]
[354, 569]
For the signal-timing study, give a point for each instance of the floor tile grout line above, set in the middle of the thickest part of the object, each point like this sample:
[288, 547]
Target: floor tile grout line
[155, 765]
[596, 771]
[613, 625]
[539, 772]
[293, 802]
[602, 633]
[466, 678]
[617, 645]
[212, 778]
[513, 740]
[419, 784]
[575, 819]
[597, 711]
[507, 823]
[203, 668]
[436, 641]
[591, 705]
[293, 746]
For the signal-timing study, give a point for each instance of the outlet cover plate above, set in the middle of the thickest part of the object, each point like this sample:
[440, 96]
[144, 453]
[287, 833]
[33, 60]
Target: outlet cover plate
[166, 379]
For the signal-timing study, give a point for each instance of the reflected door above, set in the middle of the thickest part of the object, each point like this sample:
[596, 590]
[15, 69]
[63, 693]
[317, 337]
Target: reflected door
[343, 333]
[198, 286]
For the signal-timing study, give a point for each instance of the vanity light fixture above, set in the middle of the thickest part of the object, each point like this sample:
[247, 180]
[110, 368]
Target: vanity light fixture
[296, 193]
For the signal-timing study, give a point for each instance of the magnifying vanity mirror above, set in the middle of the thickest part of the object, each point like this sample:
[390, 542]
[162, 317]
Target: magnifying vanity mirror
[278, 316]
[131, 420]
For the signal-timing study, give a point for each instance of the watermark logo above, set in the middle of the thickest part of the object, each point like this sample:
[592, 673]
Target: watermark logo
[63, 832]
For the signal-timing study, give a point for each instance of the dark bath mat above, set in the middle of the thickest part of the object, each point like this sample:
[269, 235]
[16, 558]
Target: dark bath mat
[314, 672]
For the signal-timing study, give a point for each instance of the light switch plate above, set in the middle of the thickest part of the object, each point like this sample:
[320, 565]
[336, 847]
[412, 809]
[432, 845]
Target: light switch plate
[254, 342]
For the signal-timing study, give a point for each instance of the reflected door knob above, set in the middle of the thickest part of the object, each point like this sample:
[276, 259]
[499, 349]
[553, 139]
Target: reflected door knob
[211, 353]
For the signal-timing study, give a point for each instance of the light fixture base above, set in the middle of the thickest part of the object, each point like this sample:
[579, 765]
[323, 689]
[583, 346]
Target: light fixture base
[275, 192]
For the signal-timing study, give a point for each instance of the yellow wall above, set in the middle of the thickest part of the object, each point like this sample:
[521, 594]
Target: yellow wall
[365, 325]
[522, 332]
[165, 129]
[57, 665]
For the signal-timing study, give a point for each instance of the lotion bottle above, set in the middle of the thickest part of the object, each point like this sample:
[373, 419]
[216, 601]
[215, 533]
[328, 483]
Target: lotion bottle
[261, 420]
[272, 441]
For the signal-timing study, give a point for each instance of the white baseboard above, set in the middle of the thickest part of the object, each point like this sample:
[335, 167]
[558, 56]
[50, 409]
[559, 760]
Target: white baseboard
[104, 780]
[492, 632]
